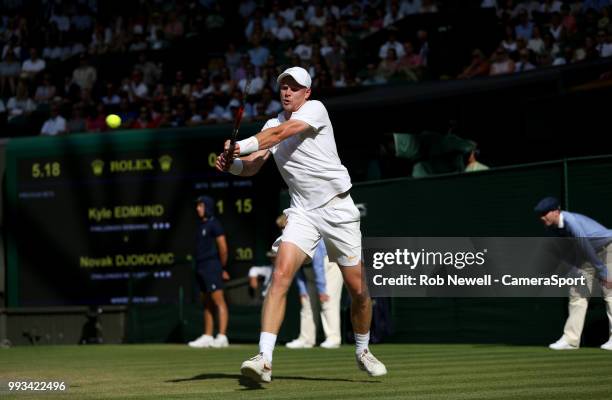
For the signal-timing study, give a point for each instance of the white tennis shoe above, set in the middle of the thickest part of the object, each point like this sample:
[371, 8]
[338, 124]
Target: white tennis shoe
[561, 344]
[220, 341]
[299, 344]
[202, 342]
[330, 344]
[257, 369]
[367, 362]
[607, 345]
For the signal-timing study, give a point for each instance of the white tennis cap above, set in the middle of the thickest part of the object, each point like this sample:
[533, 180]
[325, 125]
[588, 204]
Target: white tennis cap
[300, 75]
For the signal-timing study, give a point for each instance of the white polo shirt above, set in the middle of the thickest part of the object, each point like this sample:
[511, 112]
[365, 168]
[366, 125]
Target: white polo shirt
[308, 161]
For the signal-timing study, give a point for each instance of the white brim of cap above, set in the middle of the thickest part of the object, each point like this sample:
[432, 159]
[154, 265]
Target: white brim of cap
[284, 74]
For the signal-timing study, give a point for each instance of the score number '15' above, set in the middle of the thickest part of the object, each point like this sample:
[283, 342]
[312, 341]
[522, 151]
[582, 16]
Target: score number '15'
[243, 206]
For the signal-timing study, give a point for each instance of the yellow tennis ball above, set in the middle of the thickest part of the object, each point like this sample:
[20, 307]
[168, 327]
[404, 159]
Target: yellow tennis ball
[113, 121]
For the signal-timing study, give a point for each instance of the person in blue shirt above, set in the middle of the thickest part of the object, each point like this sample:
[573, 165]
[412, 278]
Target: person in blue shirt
[594, 242]
[211, 259]
[328, 280]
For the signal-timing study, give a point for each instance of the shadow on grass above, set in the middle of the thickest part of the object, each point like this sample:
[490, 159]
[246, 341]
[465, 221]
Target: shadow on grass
[248, 384]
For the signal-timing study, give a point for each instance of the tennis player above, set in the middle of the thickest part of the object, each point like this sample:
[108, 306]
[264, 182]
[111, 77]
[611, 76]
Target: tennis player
[301, 139]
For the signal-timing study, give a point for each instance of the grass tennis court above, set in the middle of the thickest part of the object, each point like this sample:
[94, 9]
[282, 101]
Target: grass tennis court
[415, 372]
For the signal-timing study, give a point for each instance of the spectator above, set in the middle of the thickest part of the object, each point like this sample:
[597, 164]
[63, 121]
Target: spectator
[151, 72]
[319, 18]
[126, 114]
[232, 57]
[60, 19]
[21, 104]
[53, 51]
[410, 64]
[299, 22]
[258, 54]
[524, 29]
[55, 125]
[568, 21]
[603, 24]
[85, 75]
[282, 32]
[144, 120]
[393, 15]
[9, 73]
[215, 20]
[247, 8]
[524, 63]
[101, 39]
[555, 28]
[179, 116]
[96, 120]
[551, 6]
[12, 47]
[501, 64]
[409, 7]
[256, 82]
[391, 43]
[428, 6]
[566, 57]
[536, 43]
[604, 44]
[81, 21]
[423, 38]
[138, 44]
[596, 5]
[478, 67]
[389, 66]
[111, 98]
[509, 42]
[76, 123]
[304, 48]
[270, 105]
[45, 91]
[174, 27]
[137, 90]
[33, 65]
[473, 164]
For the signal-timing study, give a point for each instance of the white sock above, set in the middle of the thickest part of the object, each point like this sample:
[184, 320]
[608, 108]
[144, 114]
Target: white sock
[266, 344]
[361, 342]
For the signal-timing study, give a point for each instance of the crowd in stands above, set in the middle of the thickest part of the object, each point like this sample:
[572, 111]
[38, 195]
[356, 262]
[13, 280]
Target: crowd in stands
[320, 35]
[544, 33]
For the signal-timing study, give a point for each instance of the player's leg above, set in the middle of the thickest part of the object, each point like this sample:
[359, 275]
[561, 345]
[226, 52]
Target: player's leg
[307, 337]
[339, 222]
[289, 258]
[361, 304]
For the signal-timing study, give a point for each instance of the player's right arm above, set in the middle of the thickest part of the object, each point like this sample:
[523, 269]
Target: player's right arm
[251, 164]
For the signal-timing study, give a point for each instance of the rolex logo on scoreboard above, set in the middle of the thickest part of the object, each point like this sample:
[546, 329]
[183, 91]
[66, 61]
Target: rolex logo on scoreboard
[165, 162]
[97, 167]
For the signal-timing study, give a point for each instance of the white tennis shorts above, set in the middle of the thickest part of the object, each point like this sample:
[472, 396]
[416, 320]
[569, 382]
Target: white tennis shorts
[337, 223]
